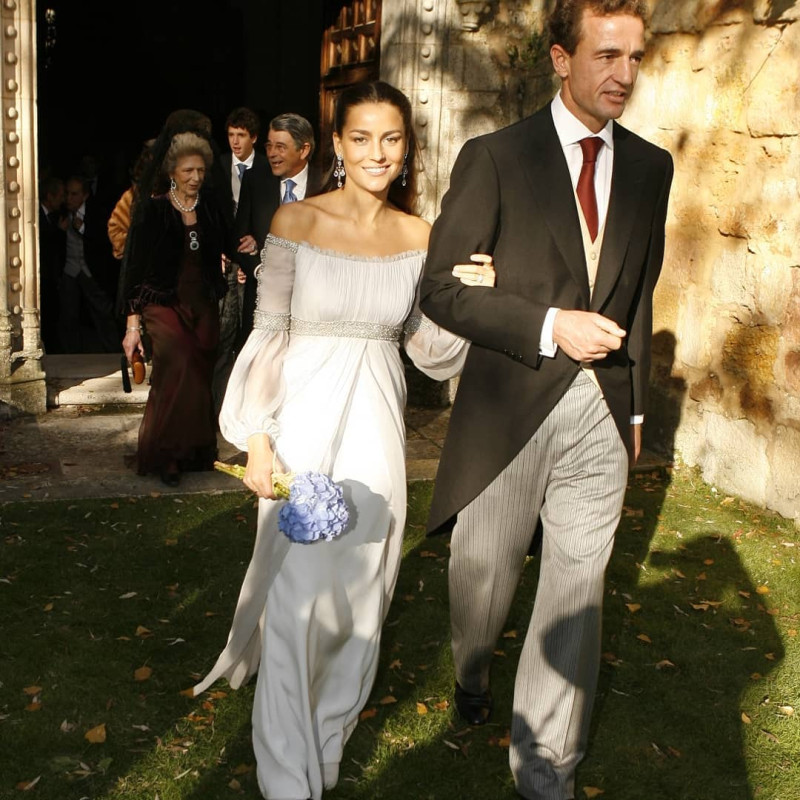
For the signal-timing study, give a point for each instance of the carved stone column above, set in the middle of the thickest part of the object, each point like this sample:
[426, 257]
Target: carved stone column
[22, 382]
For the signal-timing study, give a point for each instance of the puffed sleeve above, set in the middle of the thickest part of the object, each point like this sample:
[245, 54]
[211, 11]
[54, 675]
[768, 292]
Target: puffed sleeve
[433, 350]
[256, 388]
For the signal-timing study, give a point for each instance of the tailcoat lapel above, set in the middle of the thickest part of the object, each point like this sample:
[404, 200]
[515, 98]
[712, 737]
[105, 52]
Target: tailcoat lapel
[545, 168]
[627, 179]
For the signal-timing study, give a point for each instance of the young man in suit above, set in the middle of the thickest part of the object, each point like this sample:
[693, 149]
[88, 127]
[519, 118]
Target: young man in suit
[572, 207]
[290, 147]
[242, 128]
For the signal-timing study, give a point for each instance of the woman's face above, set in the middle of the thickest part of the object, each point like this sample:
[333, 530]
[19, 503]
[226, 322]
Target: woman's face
[372, 145]
[189, 174]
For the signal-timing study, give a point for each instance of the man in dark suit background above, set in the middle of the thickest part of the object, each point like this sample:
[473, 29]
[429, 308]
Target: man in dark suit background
[89, 276]
[242, 127]
[52, 254]
[290, 147]
[572, 207]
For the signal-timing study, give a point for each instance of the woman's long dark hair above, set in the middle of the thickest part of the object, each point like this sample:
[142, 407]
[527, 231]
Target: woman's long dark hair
[404, 197]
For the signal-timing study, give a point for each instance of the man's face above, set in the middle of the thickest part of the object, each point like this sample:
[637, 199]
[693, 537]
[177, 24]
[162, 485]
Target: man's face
[598, 78]
[55, 199]
[241, 143]
[286, 159]
[75, 195]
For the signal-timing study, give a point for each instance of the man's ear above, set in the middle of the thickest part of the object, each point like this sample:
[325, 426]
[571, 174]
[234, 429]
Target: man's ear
[305, 151]
[561, 61]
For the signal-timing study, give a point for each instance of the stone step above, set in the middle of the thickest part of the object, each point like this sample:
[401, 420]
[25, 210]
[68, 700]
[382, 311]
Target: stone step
[90, 379]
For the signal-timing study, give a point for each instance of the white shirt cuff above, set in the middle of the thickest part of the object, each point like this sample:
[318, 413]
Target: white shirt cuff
[637, 419]
[547, 347]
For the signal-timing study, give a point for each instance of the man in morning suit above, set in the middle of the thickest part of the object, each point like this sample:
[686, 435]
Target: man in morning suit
[572, 207]
[290, 146]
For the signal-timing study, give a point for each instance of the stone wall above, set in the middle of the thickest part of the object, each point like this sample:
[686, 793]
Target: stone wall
[719, 89]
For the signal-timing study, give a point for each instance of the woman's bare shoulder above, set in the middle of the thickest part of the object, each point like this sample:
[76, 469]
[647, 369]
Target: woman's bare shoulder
[293, 221]
[416, 230]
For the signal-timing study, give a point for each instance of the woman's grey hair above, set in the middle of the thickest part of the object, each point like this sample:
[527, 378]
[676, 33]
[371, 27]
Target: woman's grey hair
[299, 128]
[187, 144]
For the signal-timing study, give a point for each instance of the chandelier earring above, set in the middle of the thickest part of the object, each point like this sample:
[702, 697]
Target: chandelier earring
[404, 173]
[172, 184]
[338, 171]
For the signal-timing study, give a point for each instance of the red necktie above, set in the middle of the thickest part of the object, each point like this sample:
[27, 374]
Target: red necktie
[585, 191]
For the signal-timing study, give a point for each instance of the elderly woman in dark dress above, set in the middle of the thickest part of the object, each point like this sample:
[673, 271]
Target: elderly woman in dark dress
[172, 282]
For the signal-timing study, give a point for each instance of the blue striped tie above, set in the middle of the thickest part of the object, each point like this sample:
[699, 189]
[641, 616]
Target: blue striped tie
[289, 195]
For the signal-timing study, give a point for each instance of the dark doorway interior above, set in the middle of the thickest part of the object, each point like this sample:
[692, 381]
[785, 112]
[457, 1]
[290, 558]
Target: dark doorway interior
[110, 72]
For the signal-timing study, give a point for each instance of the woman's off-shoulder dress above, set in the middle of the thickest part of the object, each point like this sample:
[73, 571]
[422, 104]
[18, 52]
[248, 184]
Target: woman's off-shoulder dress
[321, 373]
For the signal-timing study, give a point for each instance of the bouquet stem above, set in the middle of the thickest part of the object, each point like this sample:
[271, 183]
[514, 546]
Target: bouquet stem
[281, 481]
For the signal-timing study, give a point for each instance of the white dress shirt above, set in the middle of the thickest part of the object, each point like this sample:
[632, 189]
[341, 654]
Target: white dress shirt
[300, 184]
[570, 130]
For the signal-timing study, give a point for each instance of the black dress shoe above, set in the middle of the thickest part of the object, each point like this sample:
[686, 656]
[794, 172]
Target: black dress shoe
[474, 709]
[171, 475]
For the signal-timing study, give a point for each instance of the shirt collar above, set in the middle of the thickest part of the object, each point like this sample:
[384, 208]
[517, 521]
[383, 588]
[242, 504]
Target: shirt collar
[248, 162]
[300, 180]
[570, 130]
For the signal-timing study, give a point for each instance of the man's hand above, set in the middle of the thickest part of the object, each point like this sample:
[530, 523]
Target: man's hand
[247, 244]
[636, 438]
[586, 335]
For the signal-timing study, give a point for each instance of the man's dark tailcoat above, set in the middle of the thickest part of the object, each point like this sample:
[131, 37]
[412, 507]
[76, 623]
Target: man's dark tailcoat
[511, 196]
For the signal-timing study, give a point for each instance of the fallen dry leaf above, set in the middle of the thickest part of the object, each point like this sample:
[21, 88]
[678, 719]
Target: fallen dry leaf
[771, 736]
[142, 674]
[762, 590]
[746, 718]
[633, 607]
[396, 664]
[368, 713]
[235, 785]
[34, 706]
[187, 692]
[242, 769]
[143, 632]
[388, 700]
[442, 706]
[744, 594]
[787, 711]
[428, 554]
[96, 735]
[32, 690]
[510, 635]
[26, 786]
[664, 663]
[422, 709]
[48, 607]
[643, 637]
[769, 656]
[504, 741]
[592, 791]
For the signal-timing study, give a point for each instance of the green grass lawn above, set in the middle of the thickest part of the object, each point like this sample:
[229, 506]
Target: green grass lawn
[111, 608]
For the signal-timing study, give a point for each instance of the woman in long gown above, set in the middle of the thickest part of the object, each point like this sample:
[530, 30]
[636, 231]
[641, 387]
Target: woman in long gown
[320, 386]
[170, 286]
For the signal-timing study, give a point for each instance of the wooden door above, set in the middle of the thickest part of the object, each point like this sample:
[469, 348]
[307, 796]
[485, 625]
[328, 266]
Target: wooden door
[350, 54]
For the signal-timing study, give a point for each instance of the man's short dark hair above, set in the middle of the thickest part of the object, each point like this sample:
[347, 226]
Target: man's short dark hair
[244, 118]
[86, 187]
[50, 186]
[564, 25]
[299, 128]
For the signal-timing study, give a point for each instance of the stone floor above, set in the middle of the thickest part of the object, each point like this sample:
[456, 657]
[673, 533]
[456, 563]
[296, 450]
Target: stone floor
[83, 445]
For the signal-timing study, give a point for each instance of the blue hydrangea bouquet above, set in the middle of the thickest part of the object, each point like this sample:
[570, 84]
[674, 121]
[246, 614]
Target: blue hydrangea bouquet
[316, 508]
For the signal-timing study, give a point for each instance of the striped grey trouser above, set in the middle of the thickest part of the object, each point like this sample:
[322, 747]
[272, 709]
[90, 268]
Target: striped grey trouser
[577, 463]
